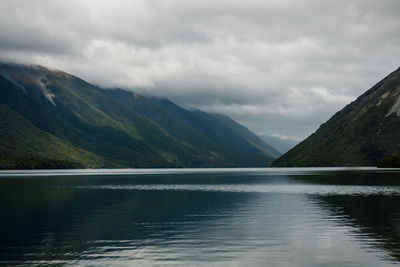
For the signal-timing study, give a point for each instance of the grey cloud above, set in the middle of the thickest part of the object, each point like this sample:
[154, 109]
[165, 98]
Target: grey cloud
[279, 67]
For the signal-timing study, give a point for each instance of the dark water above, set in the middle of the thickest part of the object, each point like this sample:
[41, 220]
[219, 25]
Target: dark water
[253, 217]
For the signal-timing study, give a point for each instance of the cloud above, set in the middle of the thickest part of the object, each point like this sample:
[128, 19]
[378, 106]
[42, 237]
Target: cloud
[279, 67]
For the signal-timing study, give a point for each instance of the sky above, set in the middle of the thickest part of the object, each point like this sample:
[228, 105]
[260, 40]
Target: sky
[280, 68]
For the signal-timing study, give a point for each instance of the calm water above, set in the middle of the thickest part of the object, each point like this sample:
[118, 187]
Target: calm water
[238, 217]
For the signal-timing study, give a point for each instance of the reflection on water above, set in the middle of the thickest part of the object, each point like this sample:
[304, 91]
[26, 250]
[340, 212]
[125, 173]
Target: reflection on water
[375, 217]
[285, 217]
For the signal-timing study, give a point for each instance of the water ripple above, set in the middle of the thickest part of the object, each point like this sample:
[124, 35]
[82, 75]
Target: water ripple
[305, 189]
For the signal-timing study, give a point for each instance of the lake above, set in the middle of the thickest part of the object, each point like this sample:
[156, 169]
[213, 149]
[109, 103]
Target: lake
[230, 217]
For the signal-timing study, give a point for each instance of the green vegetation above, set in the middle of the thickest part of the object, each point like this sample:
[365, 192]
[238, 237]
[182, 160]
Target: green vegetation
[24, 146]
[56, 120]
[359, 135]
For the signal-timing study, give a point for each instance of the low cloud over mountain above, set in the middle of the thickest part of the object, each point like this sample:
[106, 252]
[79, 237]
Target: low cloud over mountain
[279, 67]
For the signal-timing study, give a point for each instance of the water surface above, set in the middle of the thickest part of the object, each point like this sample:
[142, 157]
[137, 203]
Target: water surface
[236, 217]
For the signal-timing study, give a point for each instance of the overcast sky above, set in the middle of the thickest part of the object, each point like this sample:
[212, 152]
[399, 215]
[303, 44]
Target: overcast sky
[279, 67]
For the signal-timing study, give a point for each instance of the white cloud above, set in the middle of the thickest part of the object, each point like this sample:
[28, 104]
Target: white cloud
[279, 67]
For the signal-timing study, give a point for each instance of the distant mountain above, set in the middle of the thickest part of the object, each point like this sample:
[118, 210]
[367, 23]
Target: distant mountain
[282, 145]
[221, 128]
[196, 128]
[364, 133]
[249, 136]
[51, 119]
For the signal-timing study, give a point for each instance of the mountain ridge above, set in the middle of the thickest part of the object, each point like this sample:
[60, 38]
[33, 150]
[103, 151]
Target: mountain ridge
[111, 129]
[361, 134]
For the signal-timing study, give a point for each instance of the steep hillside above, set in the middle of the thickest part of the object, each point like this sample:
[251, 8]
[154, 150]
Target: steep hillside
[109, 128]
[249, 136]
[208, 134]
[22, 145]
[361, 134]
[223, 131]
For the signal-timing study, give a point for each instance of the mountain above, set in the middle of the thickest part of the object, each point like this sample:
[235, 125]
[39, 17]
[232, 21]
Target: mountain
[51, 119]
[282, 145]
[25, 146]
[198, 129]
[364, 133]
[222, 129]
[249, 136]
